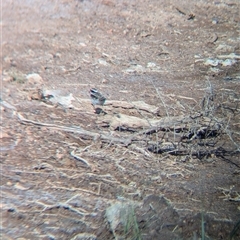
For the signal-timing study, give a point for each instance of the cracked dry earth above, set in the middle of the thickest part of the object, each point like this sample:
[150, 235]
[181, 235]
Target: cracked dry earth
[64, 172]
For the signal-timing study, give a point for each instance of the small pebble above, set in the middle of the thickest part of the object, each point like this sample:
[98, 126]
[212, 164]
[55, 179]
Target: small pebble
[214, 21]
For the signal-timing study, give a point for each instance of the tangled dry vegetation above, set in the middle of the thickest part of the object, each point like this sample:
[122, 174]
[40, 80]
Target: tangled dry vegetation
[200, 131]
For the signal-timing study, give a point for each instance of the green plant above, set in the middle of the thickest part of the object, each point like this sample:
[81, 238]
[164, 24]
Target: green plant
[131, 228]
[235, 230]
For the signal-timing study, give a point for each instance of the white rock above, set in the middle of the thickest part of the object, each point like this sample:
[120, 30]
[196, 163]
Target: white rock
[34, 78]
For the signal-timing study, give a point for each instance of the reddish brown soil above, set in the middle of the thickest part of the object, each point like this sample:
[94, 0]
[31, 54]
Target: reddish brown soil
[152, 51]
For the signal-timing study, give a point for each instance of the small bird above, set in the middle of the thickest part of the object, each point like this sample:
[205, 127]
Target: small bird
[96, 97]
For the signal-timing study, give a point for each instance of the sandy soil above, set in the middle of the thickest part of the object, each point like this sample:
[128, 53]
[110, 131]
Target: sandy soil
[59, 182]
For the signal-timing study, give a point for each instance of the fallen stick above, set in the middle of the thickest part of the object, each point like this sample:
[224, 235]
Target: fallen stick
[78, 130]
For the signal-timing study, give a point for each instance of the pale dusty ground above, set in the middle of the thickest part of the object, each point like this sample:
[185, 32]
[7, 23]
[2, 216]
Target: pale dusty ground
[131, 51]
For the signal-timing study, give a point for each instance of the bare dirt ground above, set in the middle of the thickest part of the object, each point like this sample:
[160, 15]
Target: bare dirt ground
[162, 162]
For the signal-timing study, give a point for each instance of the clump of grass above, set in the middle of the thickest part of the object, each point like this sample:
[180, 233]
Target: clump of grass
[131, 228]
[123, 221]
[235, 230]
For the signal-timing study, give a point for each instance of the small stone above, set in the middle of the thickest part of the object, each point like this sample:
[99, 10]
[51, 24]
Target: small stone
[34, 78]
[82, 44]
[57, 55]
[104, 80]
[209, 160]
[214, 21]
[8, 78]
[151, 64]
[8, 60]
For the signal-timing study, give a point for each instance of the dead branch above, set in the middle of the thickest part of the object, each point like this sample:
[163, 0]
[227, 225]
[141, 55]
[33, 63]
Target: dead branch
[178, 123]
[179, 149]
[72, 153]
[77, 130]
